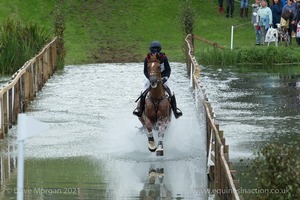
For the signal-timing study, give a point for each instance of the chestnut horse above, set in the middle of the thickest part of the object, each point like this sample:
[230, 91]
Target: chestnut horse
[157, 113]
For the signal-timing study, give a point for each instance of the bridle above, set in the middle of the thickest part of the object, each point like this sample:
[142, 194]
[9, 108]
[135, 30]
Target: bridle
[154, 74]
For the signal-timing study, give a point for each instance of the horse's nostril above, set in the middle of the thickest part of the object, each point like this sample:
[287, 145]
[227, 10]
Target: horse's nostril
[153, 79]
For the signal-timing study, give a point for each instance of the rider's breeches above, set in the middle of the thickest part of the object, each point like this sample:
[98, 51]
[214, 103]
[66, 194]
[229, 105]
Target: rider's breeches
[147, 85]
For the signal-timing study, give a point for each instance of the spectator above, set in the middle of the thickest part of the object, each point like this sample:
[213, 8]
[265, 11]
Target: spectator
[221, 9]
[283, 2]
[264, 19]
[290, 9]
[244, 8]
[276, 12]
[229, 8]
[298, 22]
[255, 8]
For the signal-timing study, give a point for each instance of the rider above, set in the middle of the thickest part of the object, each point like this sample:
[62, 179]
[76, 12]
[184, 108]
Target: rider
[155, 48]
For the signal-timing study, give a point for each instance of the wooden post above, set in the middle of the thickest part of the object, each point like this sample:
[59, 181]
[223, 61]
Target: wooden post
[1, 115]
[45, 67]
[41, 69]
[22, 95]
[4, 111]
[10, 109]
[16, 104]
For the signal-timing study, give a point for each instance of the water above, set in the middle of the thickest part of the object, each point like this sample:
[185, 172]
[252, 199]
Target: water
[255, 105]
[3, 80]
[95, 148]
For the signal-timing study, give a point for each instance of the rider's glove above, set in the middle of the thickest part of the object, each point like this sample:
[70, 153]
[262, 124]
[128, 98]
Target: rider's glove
[164, 79]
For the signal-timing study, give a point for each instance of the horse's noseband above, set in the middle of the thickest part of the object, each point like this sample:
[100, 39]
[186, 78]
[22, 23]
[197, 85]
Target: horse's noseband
[153, 81]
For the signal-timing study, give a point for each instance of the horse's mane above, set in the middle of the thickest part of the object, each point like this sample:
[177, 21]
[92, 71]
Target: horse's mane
[153, 57]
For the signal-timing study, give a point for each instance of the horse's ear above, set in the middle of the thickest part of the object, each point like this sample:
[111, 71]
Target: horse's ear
[148, 56]
[158, 56]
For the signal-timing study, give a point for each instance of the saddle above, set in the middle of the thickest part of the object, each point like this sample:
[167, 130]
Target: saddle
[145, 93]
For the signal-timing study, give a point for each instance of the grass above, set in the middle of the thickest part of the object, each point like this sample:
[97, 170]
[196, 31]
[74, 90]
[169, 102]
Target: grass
[121, 31]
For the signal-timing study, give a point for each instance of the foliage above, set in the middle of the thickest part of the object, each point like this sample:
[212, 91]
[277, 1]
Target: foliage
[255, 55]
[60, 26]
[120, 31]
[19, 43]
[187, 17]
[277, 172]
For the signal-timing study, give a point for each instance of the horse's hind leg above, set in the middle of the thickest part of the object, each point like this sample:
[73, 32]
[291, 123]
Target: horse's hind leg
[161, 132]
[163, 122]
[160, 148]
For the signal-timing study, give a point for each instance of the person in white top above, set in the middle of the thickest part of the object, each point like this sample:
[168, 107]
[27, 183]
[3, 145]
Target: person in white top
[264, 19]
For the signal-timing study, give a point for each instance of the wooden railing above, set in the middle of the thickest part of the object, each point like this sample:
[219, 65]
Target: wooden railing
[220, 172]
[24, 84]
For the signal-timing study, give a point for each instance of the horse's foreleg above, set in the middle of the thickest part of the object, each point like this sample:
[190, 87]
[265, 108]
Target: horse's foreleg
[151, 142]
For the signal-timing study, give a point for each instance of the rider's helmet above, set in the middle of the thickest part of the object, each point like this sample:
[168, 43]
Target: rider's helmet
[155, 47]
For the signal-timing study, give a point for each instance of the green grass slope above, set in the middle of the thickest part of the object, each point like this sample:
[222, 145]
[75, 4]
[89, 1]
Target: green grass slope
[121, 31]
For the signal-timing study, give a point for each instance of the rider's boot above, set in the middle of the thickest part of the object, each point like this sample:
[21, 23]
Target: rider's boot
[177, 112]
[140, 109]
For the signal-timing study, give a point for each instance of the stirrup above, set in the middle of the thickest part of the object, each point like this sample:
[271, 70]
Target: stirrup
[177, 113]
[137, 112]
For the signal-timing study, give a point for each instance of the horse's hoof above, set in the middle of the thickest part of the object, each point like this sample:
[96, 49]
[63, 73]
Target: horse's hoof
[159, 149]
[159, 152]
[152, 177]
[160, 174]
[151, 146]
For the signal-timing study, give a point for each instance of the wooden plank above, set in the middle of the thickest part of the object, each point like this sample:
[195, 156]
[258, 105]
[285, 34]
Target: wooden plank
[209, 42]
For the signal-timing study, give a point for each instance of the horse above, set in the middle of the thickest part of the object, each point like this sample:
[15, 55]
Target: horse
[157, 112]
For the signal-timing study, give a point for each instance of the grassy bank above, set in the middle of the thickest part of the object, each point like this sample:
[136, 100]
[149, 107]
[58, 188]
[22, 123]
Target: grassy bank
[121, 31]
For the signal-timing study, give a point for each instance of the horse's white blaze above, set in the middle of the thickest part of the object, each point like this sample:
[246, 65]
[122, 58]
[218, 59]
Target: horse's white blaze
[152, 64]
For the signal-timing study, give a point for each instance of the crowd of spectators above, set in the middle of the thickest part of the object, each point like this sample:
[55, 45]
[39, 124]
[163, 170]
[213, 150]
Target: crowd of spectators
[266, 14]
[279, 12]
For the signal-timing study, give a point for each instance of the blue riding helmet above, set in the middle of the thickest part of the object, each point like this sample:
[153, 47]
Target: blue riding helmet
[155, 47]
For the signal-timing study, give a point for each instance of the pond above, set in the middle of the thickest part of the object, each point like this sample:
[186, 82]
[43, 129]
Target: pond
[254, 105]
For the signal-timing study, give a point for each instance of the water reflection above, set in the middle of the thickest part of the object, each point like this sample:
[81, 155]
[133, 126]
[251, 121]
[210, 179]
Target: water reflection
[8, 164]
[165, 179]
[4, 80]
[155, 187]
